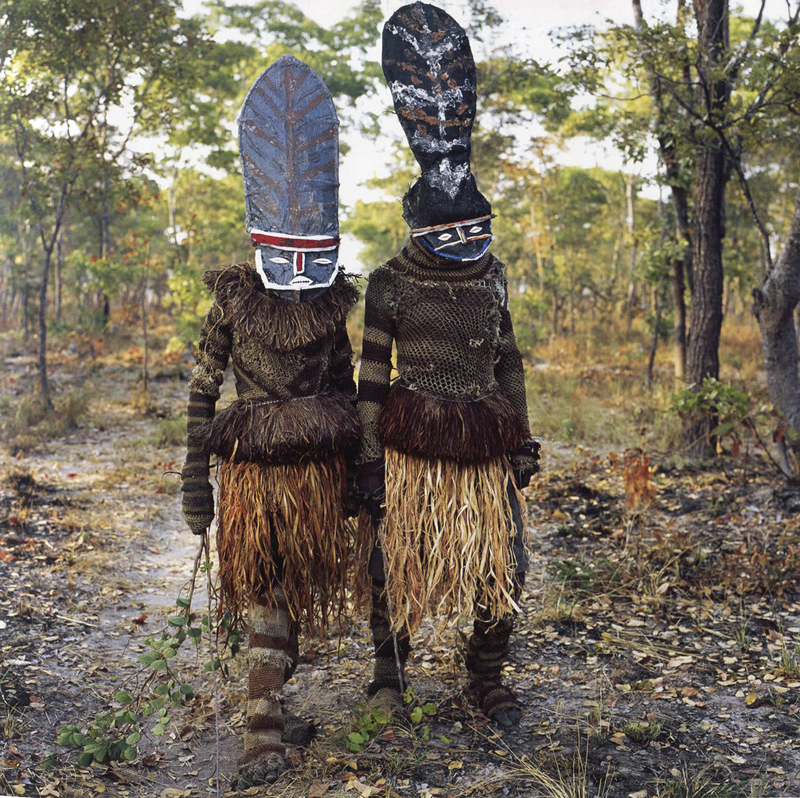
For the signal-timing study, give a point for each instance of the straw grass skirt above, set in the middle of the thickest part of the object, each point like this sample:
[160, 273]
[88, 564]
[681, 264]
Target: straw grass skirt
[286, 524]
[447, 538]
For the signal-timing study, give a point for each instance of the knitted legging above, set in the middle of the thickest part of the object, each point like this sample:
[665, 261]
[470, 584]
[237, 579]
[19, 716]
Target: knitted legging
[272, 659]
[385, 672]
[487, 651]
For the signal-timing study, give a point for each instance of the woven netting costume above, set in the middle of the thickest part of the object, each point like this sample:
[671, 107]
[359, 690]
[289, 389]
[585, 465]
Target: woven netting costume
[286, 546]
[443, 442]
[283, 444]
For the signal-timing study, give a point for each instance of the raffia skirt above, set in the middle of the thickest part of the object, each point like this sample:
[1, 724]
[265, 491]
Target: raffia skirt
[286, 524]
[449, 538]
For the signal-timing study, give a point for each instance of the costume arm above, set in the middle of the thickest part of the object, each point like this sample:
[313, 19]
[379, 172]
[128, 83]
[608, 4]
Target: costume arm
[373, 378]
[510, 377]
[342, 362]
[212, 358]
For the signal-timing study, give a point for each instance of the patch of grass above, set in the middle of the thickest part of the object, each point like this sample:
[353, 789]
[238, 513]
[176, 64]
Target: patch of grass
[790, 659]
[29, 423]
[557, 776]
[171, 432]
[642, 732]
[583, 578]
[703, 784]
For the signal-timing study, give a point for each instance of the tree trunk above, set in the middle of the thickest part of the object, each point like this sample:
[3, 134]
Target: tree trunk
[679, 334]
[774, 307]
[26, 327]
[630, 223]
[651, 360]
[59, 266]
[708, 226]
[145, 373]
[43, 380]
[681, 269]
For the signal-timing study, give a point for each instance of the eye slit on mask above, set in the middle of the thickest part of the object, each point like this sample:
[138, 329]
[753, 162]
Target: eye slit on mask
[476, 229]
[279, 260]
[445, 236]
[322, 261]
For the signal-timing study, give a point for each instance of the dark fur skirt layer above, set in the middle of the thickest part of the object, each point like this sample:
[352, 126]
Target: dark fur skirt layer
[466, 430]
[262, 431]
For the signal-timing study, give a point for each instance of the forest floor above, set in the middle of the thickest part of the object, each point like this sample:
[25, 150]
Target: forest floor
[658, 653]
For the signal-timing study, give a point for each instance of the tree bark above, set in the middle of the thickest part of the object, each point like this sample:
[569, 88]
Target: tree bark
[43, 380]
[58, 275]
[679, 334]
[774, 307]
[708, 221]
[630, 221]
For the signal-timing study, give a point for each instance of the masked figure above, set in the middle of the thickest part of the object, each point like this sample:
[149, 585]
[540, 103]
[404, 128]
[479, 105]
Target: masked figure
[446, 446]
[284, 542]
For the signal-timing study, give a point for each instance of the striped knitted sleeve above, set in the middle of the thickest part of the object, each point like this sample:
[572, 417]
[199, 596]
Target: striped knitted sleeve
[508, 368]
[510, 376]
[376, 362]
[342, 362]
[212, 359]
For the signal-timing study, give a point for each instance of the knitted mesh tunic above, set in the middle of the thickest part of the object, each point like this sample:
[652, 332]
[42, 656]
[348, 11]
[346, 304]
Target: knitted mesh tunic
[283, 443]
[293, 371]
[460, 389]
[446, 428]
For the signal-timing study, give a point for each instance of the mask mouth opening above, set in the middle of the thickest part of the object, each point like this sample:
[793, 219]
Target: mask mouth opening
[454, 257]
[299, 282]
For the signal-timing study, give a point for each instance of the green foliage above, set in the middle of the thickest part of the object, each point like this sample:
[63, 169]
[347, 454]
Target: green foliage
[171, 432]
[419, 714]
[729, 406]
[371, 722]
[642, 732]
[114, 735]
[337, 53]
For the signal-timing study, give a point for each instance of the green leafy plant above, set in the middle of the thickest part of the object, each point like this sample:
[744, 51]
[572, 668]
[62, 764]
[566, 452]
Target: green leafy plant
[642, 732]
[371, 722]
[114, 735]
[419, 713]
[730, 406]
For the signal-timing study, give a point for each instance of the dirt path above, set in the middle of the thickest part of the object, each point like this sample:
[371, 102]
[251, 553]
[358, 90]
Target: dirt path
[659, 651]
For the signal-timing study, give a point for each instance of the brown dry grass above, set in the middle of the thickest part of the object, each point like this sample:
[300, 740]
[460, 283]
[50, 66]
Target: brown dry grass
[592, 391]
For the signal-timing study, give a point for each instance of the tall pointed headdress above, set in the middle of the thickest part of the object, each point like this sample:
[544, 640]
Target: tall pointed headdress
[428, 64]
[289, 146]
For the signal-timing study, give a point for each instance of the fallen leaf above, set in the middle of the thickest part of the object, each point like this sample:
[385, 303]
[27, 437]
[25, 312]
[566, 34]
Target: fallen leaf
[752, 700]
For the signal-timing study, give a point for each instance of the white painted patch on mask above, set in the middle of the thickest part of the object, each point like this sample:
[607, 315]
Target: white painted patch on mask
[448, 178]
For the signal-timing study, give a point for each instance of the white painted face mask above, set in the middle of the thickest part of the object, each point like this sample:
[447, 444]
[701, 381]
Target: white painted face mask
[462, 241]
[295, 263]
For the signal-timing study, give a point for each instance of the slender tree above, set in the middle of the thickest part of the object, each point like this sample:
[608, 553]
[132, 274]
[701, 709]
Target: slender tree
[66, 70]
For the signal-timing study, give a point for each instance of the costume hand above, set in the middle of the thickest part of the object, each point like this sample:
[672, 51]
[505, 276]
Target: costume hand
[198, 506]
[372, 488]
[525, 463]
[521, 478]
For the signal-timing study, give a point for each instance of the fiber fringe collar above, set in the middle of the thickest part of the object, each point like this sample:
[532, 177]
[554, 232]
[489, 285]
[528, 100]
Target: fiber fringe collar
[280, 324]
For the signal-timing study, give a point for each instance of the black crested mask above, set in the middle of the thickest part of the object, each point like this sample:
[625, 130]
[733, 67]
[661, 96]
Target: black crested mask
[428, 64]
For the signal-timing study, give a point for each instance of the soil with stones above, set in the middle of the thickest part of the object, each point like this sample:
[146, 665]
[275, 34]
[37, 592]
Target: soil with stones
[658, 653]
